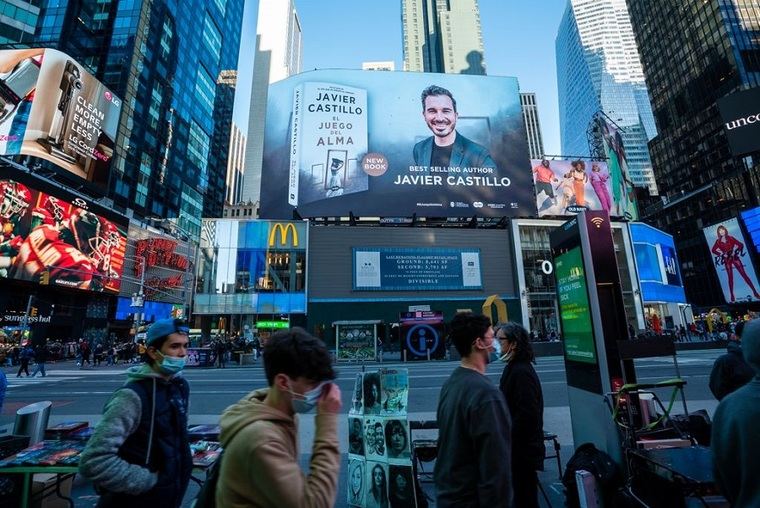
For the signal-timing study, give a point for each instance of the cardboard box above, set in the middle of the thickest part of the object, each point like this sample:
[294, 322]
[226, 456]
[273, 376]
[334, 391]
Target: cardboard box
[43, 484]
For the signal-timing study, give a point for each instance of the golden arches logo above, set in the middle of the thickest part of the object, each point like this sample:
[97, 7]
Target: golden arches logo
[283, 229]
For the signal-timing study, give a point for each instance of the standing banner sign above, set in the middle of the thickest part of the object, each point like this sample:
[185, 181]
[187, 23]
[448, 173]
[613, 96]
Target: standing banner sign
[731, 261]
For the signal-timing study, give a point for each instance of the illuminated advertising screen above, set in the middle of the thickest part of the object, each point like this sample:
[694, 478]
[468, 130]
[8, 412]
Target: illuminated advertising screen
[395, 144]
[620, 182]
[657, 265]
[565, 187]
[52, 108]
[732, 262]
[52, 240]
[577, 330]
[751, 219]
[158, 265]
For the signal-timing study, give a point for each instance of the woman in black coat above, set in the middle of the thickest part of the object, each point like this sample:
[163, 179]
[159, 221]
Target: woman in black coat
[522, 390]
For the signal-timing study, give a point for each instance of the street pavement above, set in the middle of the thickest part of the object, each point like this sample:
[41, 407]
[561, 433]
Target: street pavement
[80, 394]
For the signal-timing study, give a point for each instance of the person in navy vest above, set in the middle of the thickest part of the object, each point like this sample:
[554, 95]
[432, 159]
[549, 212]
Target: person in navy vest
[139, 454]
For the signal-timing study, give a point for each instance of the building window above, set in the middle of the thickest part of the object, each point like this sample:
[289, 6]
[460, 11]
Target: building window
[197, 151]
[222, 4]
[211, 37]
[205, 90]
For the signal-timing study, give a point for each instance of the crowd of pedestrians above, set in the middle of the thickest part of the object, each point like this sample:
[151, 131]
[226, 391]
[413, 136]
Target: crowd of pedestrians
[490, 445]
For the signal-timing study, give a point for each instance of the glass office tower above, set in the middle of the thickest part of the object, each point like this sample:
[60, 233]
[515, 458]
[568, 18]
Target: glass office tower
[695, 52]
[163, 58]
[598, 69]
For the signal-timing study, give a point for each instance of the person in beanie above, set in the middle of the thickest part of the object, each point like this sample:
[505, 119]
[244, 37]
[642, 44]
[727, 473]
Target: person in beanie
[139, 454]
[260, 462]
[735, 440]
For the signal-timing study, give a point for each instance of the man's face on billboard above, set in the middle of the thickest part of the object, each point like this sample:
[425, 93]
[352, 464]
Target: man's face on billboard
[439, 114]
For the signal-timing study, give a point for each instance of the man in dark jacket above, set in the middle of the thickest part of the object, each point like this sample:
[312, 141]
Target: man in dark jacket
[735, 440]
[473, 466]
[41, 356]
[730, 371]
[139, 455]
[522, 391]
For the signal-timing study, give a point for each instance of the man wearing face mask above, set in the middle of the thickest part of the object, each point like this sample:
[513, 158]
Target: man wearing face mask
[139, 454]
[522, 391]
[260, 463]
[473, 465]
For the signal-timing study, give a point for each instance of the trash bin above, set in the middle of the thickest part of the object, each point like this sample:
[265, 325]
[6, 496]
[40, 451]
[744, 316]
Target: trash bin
[32, 420]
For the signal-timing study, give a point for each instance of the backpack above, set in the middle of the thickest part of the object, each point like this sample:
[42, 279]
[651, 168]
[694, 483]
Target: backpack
[598, 463]
[206, 497]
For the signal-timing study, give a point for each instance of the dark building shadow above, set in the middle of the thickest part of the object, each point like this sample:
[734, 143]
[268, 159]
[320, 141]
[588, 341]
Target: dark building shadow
[475, 62]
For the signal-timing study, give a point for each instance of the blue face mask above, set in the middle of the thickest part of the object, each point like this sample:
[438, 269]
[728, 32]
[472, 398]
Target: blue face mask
[170, 365]
[303, 403]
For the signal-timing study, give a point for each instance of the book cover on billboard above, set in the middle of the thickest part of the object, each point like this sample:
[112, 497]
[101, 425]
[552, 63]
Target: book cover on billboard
[328, 139]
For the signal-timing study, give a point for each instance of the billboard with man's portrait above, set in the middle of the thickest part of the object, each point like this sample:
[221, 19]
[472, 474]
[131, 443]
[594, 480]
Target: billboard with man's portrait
[52, 108]
[395, 144]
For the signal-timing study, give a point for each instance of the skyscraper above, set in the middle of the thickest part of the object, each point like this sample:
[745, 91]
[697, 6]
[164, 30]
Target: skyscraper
[277, 56]
[532, 125]
[695, 52]
[442, 36]
[144, 52]
[598, 69]
[235, 166]
[224, 103]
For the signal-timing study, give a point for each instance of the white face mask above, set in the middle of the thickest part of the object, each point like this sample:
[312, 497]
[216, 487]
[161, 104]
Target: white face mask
[303, 403]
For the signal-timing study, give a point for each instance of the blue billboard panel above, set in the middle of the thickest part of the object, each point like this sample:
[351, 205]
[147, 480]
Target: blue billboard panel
[152, 311]
[411, 269]
[657, 265]
[751, 219]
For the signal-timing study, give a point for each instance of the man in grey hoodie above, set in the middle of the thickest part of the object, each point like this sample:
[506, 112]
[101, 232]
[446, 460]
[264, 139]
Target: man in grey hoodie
[139, 455]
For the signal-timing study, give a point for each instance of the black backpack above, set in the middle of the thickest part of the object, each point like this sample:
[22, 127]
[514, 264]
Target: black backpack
[598, 463]
[206, 497]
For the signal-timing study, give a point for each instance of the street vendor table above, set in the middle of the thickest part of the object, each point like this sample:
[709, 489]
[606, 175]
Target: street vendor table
[61, 458]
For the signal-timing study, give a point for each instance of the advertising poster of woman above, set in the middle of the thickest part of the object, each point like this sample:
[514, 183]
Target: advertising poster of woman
[732, 262]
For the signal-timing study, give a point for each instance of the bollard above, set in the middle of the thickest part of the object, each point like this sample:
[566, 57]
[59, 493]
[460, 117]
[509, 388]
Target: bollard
[404, 355]
[428, 354]
[32, 420]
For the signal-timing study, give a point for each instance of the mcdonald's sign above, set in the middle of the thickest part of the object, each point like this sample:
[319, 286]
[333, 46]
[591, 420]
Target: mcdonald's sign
[283, 229]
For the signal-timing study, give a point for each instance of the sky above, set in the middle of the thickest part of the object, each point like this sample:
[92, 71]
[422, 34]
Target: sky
[518, 37]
